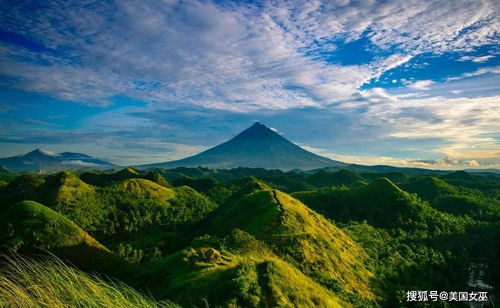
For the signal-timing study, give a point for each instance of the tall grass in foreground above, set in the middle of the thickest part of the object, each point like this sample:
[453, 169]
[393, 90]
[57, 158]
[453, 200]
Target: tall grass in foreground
[26, 283]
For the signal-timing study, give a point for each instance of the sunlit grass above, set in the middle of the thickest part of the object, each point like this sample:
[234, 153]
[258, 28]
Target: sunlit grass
[48, 282]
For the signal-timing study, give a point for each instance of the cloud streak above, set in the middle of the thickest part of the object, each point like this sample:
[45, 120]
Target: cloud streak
[225, 56]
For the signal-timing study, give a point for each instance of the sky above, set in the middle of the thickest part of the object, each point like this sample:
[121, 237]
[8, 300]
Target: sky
[405, 83]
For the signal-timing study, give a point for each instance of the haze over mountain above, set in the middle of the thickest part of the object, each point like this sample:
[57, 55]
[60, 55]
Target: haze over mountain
[42, 160]
[259, 147]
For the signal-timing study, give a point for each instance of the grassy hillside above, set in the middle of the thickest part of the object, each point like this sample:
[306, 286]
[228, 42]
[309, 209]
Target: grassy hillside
[103, 178]
[145, 189]
[429, 188]
[70, 196]
[381, 203]
[32, 227]
[30, 223]
[300, 236]
[6, 175]
[249, 277]
[26, 283]
[482, 204]
[23, 187]
[210, 187]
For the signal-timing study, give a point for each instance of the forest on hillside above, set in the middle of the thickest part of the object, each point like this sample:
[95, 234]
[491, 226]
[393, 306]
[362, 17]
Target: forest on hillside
[247, 237]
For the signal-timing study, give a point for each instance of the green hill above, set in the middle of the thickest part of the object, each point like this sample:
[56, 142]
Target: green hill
[381, 203]
[429, 188]
[176, 206]
[102, 178]
[323, 178]
[157, 178]
[30, 223]
[32, 227]
[124, 205]
[63, 192]
[253, 277]
[6, 175]
[297, 234]
[458, 175]
[459, 201]
[210, 187]
[70, 196]
[22, 187]
[145, 189]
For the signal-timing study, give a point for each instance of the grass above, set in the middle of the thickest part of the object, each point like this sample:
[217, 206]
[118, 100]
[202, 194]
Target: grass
[381, 203]
[319, 248]
[29, 226]
[429, 188]
[146, 189]
[251, 279]
[70, 196]
[29, 222]
[299, 236]
[48, 282]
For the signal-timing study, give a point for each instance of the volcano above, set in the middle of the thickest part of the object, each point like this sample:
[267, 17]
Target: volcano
[41, 160]
[256, 147]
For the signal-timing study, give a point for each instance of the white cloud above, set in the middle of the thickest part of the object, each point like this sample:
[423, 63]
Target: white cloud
[478, 72]
[79, 163]
[476, 59]
[467, 128]
[442, 163]
[239, 57]
[421, 84]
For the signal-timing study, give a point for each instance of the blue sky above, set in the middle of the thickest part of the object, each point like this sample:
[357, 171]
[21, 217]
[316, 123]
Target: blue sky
[407, 83]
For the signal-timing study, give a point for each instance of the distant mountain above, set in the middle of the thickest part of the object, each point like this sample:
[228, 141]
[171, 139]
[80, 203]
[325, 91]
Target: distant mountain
[256, 147]
[41, 161]
[381, 169]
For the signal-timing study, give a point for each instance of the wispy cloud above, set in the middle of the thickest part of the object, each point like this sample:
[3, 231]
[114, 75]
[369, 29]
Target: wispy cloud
[476, 59]
[478, 72]
[420, 84]
[227, 56]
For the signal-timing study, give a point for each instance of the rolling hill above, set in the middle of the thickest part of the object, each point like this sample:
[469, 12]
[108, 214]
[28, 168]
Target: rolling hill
[380, 203]
[30, 226]
[296, 233]
[199, 275]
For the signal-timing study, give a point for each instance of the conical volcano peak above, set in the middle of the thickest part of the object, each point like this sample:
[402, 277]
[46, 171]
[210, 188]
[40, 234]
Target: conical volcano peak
[256, 147]
[41, 152]
[257, 130]
[257, 126]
